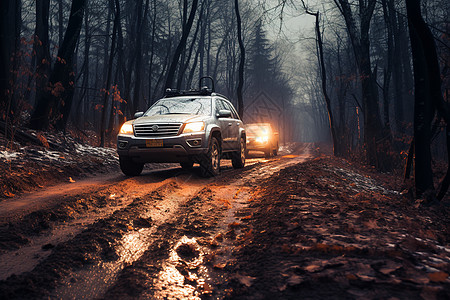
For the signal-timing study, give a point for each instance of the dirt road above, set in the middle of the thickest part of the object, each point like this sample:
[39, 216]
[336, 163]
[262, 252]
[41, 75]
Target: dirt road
[117, 237]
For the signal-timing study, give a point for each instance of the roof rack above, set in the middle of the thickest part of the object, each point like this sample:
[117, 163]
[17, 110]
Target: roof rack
[202, 91]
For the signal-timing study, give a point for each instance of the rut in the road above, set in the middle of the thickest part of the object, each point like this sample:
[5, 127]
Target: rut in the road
[160, 229]
[93, 245]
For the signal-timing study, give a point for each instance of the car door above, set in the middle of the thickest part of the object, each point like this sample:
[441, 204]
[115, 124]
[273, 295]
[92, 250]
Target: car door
[234, 127]
[224, 124]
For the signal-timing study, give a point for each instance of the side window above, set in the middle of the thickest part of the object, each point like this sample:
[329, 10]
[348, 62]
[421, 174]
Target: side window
[219, 105]
[231, 108]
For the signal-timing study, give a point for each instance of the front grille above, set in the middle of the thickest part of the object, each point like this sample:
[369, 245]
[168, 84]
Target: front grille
[156, 130]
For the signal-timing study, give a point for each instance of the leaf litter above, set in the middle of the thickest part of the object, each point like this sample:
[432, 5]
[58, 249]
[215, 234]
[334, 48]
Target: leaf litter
[329, 229]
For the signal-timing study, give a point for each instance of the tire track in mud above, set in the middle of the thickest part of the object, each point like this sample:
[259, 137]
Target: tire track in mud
[25, 242]
[185, 262]
[100, 242]
[157, 244]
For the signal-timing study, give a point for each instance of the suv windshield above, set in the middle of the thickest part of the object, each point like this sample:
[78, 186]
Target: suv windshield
[258, 129]
[181, 105]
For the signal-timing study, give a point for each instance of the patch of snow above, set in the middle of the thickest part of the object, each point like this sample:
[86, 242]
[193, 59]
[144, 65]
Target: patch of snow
[9, 155]
[99, 151]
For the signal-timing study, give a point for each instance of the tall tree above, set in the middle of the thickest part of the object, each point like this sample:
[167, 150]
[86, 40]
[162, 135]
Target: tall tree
[427, 99]
[57, 98]
[42, 47]
[241, 61]
[10, 21]
[359, 36]
[181, 44]
[337, 149]
[112, 53]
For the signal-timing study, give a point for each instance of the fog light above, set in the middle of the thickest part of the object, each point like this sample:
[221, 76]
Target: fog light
[122, 144]
[194, 142]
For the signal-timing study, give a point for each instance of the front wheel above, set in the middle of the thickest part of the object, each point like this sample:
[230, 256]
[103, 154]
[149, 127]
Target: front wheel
[210, 165]
[129, 167]
[238, 157]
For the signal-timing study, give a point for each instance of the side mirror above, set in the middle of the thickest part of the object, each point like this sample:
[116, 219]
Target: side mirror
[138, 114]
[224, 113]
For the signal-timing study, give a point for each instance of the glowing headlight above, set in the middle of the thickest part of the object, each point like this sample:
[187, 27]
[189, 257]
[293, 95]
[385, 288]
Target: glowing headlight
[127, 128]
[262, 139]
[194, 127]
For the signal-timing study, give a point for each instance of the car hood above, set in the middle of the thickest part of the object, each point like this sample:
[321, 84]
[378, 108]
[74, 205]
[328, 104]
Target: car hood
[170, 118]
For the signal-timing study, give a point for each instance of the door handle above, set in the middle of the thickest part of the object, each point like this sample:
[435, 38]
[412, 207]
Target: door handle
[229, 124]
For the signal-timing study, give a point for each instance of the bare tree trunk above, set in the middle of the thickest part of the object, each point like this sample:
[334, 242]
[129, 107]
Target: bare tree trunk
[427, 99]
[152, 55]
[138, 67]
[108, 76]
[82, 117]
[390, 62]
[58, 96]
[361, 46]
[42, 47]
[8, 31]
[336, 147]
[181, 45]
[241, 62]
[61, 22]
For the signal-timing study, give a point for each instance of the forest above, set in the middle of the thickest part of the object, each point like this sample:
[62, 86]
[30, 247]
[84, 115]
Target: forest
[369, 76]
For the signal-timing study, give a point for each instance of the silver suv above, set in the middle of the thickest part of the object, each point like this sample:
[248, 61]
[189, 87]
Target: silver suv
[183, 127]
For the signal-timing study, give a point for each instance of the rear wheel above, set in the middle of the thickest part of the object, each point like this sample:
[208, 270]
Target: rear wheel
[267, 152]
[129, 167]
[275, 151]
[238, 157]
[210, 165]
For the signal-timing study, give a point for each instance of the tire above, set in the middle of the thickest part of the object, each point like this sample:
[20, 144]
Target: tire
[238, 157]
[187, 165]
[275, 151]
[210, 165]
[267, 153]
[129, 167]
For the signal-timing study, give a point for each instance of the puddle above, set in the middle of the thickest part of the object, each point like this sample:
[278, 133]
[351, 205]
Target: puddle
[183, 276]
[95, 280]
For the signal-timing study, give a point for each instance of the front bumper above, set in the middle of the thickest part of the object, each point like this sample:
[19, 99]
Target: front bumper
[182, 148]
[257, 146]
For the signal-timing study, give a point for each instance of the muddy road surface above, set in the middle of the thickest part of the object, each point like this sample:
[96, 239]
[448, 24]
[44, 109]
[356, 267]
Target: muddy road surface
[116, 237]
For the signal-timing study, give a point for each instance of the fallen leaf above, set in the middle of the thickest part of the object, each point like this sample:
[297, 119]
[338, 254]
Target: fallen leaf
[371, 224]
[71, 180]
[234, 225]
[8, 194]
[295, 280]
[247, 217]
[219, 237]
[438, 276]
[206, 288]
[313, 268]
[130, 227]
[220, 266]
[245, 280]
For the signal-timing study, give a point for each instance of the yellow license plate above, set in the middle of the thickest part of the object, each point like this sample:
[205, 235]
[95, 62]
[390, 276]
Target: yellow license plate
[153, 143]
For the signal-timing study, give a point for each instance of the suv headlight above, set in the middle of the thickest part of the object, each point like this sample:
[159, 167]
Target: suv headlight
[262, 139]
[194, 127]
[127, 128]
